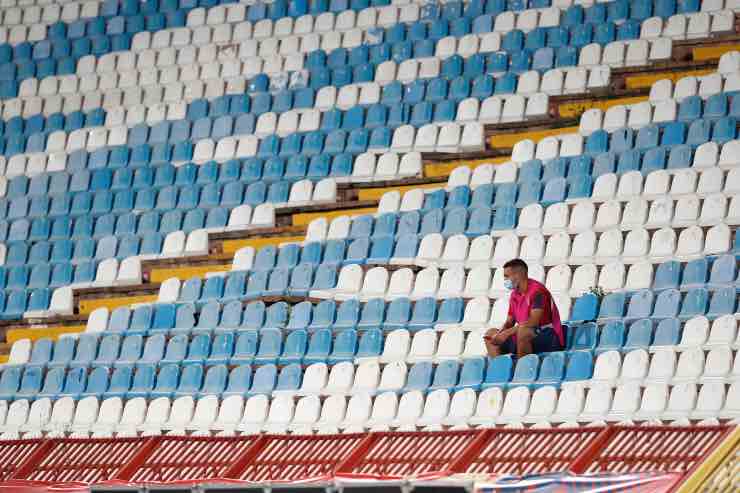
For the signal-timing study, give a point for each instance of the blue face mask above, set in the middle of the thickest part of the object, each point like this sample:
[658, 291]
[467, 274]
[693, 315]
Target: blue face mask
[508, 284]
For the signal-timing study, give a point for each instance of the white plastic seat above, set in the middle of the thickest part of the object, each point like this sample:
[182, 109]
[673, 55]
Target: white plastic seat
[455, 251]
[543, 404]
[516, 405]
[481, 251]
[478, 282]
[423, 346]
[341, 378]
[488, 407]
[401, 284]
[661, 213]
[315, 379]
[452, 283]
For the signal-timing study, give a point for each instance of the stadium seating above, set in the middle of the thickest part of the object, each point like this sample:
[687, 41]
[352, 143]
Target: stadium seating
[133, 133]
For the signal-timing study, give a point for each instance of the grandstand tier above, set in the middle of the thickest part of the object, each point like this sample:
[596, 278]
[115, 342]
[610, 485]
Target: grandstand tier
[264, 240]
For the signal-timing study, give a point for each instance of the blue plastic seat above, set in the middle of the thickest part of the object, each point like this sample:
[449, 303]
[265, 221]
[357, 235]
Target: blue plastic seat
[120, 382]
[450, 311]
[695, 303]
[39, 300]
[716, 106]
[198, 349]
[699, 132]
[108, 350]
[215, 380]
[270, 346]
[398, 314]
[185, 318]
[324, 314]
[723, 271]
[612, 336]
[239, 381]
[640, 304]
[245, 348]
[191, 380]
[264, 380]
[254, 315]
[276, 316]
[231, 317]
[319, 347]
[582, 336]
[143, 381]
[667, 275]
[370, 344]
[552, 369]
[585, 307]
[97, 382]
[419, 377]
[64, 349]
[667, 304]
[723, 302]
[74, 383]
[53, 382]
[41, 352]
[667, 333]
[580, 367]
[130, 353]
[526, 371]
[87, 345]
[639, 336]
[499, 371]
[30, 383]
[612, 306]
[724, 130]
[294, 347]
[345, 346]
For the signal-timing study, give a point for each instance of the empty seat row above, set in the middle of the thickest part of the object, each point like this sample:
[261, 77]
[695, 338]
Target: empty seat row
[229, 316]
[283, 413]
[652, 163]
[85, 229]
[677, 211]
[480, 254]
[499, 196]
[626, 53]
[645, 303]
[642, 114]
[613, 245]
[172, 379]
[675, 141]
[428, 245]
[615, 276]
[655, 335]
[30, 14]
[480, 280]
[688, 26]
[664, 366]
[100, 199]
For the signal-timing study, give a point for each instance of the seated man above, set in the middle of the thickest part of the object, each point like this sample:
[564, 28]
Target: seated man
[533, 324]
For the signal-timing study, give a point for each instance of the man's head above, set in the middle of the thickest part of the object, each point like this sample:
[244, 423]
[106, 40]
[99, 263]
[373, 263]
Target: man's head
[515, 273]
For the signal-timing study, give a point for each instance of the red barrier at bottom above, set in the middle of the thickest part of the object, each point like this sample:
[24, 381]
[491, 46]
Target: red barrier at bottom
[393, 455]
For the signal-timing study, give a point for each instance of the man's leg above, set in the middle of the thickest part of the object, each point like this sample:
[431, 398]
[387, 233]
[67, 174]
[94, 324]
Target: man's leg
[498, 349]
[493, 349]
[546, 340]
[524, 340]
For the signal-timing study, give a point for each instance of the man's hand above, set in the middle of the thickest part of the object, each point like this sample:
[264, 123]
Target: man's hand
[497, 336]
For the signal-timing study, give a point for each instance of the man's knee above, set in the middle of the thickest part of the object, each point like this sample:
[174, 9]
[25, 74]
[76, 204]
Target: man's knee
[493, 349]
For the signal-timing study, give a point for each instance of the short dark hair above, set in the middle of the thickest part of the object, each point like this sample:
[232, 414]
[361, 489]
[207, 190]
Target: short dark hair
[516, 263]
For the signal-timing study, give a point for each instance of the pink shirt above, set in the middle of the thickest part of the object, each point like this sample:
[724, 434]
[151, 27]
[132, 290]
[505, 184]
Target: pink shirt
[537, 296]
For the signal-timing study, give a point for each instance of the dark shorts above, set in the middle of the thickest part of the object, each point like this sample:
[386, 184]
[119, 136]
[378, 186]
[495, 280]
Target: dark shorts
[545, 341]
